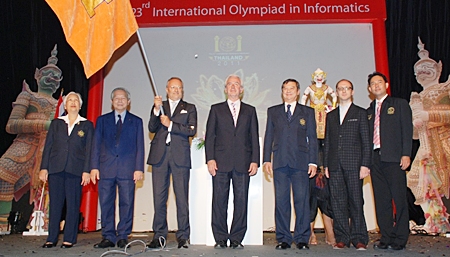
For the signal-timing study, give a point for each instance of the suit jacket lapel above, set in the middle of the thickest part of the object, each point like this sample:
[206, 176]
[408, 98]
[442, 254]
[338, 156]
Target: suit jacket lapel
[166, 108]
[297, 112]
[180, 106]
[227, 112]
[348, 114]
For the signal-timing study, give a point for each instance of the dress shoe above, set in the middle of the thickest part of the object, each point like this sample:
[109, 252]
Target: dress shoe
[105, 243]
[361, 247]
[282, 246]
[154, 244]
[48, 245]
[220, 244]
[122, 243]
[236, 245]
[303, 246]
[182, 243]
[338, 246]
[66, 245]
[396, 247]
[380, 246]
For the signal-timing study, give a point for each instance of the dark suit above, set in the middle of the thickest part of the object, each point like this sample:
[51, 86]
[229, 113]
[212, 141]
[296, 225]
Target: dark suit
[347, 148]
[66, 158]
[116, 163]
[389, 180]
[294, 146]
[174, 159]
[233, 149]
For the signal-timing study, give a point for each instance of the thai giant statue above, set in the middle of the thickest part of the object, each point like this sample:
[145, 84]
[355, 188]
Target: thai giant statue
[30, 119]
[429, 175]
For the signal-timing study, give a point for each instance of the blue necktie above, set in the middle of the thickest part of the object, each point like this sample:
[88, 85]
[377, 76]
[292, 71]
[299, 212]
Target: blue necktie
[119, 128]
[289, 113]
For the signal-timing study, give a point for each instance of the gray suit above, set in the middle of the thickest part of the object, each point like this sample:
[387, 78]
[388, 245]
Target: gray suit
[175, 159]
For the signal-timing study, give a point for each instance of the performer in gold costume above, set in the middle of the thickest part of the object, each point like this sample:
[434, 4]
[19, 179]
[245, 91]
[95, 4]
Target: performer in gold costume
[318, 94]
[30, 119]
[429, 175]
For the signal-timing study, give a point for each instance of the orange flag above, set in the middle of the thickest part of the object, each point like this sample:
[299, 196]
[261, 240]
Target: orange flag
[95, 28]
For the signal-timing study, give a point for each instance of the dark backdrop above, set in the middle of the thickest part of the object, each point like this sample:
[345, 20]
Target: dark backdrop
[29, 30]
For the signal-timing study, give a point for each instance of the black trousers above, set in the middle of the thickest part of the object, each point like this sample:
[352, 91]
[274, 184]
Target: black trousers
[389, 187]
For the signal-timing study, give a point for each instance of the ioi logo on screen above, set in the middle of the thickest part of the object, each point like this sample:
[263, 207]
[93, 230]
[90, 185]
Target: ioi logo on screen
[228, 51]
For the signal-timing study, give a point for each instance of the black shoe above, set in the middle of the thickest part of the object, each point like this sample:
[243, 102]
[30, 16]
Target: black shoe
[154, 244]
[48, 245]
[220, 244]
[105, 243]
[396, 247]
[380, 246]
[282, 246]
[182, 243]
[64, 245]
[303, 246]
[236, 245]
[122, 243]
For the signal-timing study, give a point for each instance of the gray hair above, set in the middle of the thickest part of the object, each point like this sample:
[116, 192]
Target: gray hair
[123, 89]
[73, 93]
[233, 76]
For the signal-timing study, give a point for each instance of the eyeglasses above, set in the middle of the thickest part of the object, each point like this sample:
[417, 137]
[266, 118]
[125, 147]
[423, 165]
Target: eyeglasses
[342, 89]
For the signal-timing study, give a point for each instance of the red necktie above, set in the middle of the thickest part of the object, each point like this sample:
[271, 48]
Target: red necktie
[376, 126]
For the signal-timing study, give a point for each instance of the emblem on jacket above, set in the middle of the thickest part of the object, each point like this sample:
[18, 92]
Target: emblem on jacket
[369, 117]
[302, 122]
[80, 133]
[391, 110]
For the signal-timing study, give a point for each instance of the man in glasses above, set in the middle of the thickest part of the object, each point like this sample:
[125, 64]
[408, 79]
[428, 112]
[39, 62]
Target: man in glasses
[346, 161]
[170, 154]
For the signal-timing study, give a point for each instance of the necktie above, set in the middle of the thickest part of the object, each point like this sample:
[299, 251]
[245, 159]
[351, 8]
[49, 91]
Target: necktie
[234, 113]
[119, 128]
[172, 107]
[376, 126]
[289, 113]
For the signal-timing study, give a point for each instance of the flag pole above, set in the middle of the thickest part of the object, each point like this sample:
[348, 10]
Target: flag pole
[147, 65]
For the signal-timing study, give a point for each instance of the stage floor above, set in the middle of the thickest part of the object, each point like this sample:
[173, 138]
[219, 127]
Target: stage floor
[18, 245]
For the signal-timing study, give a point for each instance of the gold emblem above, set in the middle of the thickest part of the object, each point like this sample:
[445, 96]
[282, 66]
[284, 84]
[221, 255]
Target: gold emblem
[369, 117]
[302, 122]
[80, 133]
[391, 110]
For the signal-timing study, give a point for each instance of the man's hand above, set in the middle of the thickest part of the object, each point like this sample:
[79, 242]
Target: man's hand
[212, 167]
[364, 172]
[267, 167]
[404, 162]
[43, 175]
[157, 102]
[95, 175]
[312, 170]
[85, 178]
[165, 120]
[253, 169]
[138, 175]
